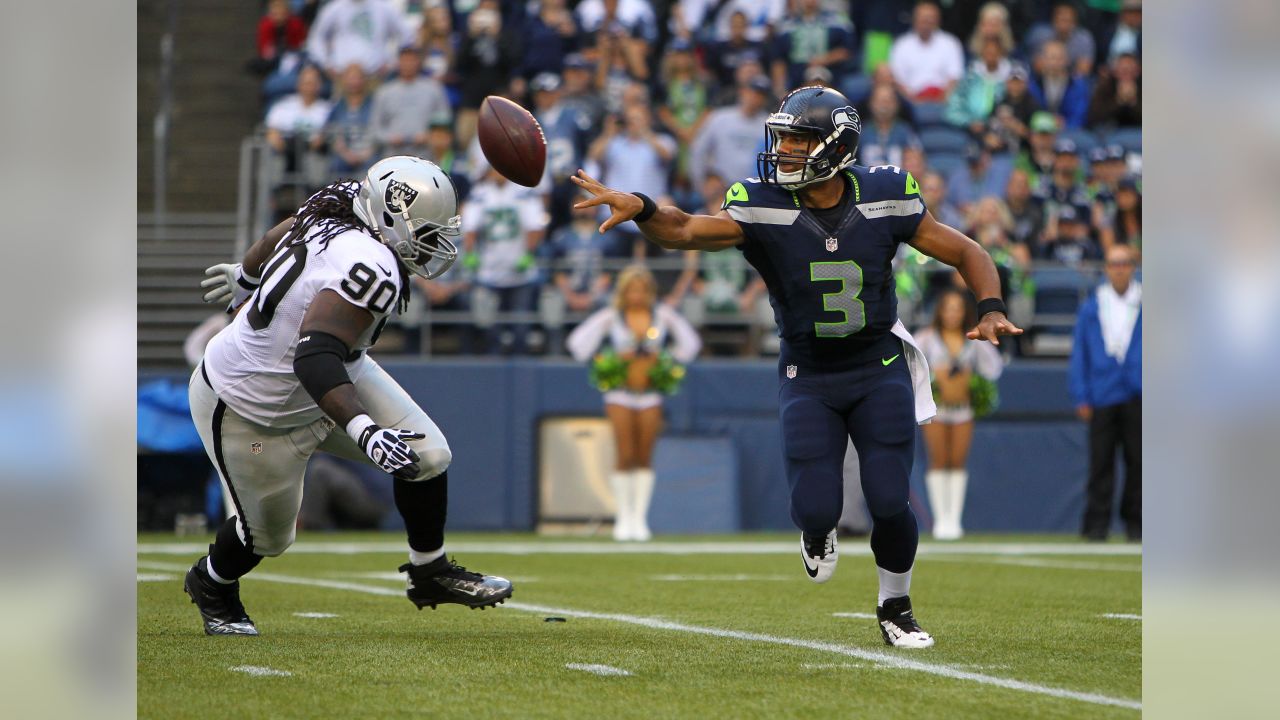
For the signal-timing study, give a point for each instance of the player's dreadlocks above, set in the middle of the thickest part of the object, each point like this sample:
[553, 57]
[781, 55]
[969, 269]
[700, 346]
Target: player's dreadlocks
[331, 210]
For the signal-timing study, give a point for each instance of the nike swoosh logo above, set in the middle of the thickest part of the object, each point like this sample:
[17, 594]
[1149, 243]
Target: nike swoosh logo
[813, 571]
[886, 362]
[382, 268]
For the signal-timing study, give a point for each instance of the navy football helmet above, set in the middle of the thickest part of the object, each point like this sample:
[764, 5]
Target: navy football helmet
[826, 115]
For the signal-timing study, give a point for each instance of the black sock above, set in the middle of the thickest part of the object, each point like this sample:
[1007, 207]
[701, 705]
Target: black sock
[894, 540]
[423, 505]
[230, 558]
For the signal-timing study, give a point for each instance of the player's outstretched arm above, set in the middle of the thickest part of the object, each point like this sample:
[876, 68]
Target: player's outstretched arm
[331, 327]
[235, 282]
[669, 227]
[976, 267]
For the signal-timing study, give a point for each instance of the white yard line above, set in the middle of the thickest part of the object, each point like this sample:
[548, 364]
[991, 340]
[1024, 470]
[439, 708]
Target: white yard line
[155, 577]
[1121, 616]
[1043, 563]
[749, 547]
[258, 671]
[314, 615]
[854, 615]
[605, 670]
[740, 577]
[889, 660]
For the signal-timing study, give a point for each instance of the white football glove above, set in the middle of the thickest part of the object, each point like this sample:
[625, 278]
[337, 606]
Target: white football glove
[387, 447]
[228, 283]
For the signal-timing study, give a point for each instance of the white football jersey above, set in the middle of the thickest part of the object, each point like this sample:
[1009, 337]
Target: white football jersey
[250, 363]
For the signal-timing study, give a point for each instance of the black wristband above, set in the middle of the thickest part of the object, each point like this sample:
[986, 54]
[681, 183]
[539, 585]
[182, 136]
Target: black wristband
[991, 305]
[646, 212]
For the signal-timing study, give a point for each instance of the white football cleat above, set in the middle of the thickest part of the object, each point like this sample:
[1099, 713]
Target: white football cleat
[898, 624]
[819, 555]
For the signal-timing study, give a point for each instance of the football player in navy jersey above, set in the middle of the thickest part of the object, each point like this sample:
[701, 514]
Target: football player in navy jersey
[822, 232]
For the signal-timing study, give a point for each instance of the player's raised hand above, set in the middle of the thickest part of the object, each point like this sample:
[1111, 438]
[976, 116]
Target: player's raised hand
[991, 327]
[228, 282]
[624, 206]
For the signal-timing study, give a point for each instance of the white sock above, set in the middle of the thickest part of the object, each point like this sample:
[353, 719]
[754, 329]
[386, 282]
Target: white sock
[958, 485]
[620, 482]
[893, 584]
[208, 566]
[425, 558]
[642, 489]
[936, 483]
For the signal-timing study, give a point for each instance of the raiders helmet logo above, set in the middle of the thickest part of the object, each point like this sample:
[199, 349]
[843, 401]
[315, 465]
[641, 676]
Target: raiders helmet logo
[846, 116]
[399, 196]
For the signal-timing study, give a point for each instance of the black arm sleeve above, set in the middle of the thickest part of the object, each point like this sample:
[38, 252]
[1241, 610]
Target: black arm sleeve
[318, 363]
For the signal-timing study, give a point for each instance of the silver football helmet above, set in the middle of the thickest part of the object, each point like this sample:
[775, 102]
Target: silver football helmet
[413, 207]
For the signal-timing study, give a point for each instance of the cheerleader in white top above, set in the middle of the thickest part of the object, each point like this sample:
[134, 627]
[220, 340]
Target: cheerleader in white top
[637, 348]
[964, 374]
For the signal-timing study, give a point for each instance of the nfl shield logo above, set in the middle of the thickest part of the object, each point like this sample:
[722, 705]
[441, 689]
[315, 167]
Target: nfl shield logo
[791, 371]
[832, 244]
[256, 448]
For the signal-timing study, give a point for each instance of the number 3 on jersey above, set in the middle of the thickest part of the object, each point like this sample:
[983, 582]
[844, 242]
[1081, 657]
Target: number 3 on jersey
[844, 301]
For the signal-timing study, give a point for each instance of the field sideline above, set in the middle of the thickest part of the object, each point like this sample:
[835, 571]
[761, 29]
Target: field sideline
[1038, 626]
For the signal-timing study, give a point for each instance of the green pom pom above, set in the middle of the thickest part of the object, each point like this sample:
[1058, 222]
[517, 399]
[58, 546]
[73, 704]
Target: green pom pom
[666, 375]
[984, 395]
[607, 372]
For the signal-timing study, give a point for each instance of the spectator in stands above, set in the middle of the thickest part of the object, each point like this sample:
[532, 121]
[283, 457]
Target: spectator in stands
[1008, 127]
[577, 251]
[1058, 89]
[579, 92]
[914, 160]
[350, 140]
[724, 144]
[927, 62]
[1065, 29]
[982, 86]
[487, 58]
[724, 58]
[1106, 387]
[622, 61]
[632, 19]
[550, 35]
[1106, 170]
[1027, 214]
[405, 107]
[933, 190]
[631, 154]
[357, 31]
[1127, 37]
[993, 24]
[885, 136]
[958, 365]
[503, 224]
[684, 105]
[1117, 99]
[1037, 159]
[724, 282]
[1065, 184]
[637, 331]
[566, 129]
[295, 129]
[1067, 237]
[983, 175]
[438, 44]
[442, 151]
[713, 19]
[281, 35]
[810, 36]
[1127, 221]
[991, 224]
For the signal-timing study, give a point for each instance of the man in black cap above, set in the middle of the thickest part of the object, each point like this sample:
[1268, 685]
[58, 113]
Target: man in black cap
[578, 91]
[1068, 239]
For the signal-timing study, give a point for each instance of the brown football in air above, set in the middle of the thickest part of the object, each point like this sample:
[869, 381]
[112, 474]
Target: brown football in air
[512, 140]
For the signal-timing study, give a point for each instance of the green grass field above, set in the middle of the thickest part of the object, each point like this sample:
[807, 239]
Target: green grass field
[704, 627]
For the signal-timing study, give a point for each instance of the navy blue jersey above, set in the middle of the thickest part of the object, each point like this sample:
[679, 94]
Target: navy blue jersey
[832, 291]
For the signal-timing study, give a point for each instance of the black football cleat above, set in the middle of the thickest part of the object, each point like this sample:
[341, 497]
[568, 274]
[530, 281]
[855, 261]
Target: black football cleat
[219, 604]
[898, 624]
[444, 581]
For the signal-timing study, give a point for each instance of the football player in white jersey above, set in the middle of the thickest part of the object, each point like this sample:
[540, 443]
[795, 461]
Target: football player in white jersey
[290, 375]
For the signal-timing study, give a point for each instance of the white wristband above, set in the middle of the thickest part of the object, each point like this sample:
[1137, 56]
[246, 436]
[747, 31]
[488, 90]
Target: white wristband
[357, 426]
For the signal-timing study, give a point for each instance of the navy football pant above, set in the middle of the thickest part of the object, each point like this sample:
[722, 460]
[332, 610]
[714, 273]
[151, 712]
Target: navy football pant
[874, 405]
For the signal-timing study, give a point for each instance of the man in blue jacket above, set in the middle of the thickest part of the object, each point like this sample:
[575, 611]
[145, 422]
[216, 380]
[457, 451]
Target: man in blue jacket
[1106, 387]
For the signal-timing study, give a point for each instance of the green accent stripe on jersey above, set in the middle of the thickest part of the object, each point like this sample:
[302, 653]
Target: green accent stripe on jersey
[857, 189]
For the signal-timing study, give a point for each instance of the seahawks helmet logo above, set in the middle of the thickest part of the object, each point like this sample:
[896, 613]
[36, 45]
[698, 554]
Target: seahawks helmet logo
[399, 196]
[846, 116]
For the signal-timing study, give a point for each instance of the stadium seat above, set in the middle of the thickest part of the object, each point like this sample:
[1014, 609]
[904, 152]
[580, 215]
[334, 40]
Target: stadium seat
[928, 114]
[856, 87]
[946, 164]
[944, 140]
[1128, 138]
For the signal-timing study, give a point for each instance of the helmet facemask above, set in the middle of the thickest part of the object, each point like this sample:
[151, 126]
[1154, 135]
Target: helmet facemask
[422, 245]
[818, 165]
[427, 251]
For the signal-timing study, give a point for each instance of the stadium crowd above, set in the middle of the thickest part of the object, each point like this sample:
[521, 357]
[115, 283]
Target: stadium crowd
[1020, 119]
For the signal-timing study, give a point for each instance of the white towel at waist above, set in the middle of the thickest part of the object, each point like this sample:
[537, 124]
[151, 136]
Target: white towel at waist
[919, 368]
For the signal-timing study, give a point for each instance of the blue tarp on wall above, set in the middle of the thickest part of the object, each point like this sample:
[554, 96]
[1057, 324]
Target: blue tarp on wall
[1027, 465]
